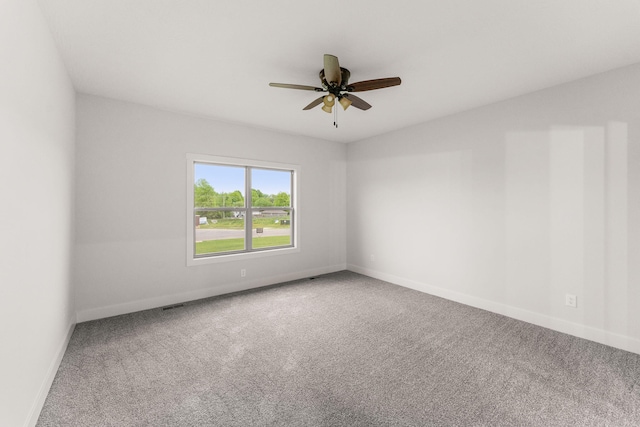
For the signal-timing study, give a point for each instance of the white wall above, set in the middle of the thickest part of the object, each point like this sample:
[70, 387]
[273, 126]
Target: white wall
[131, 207]
[511, 206]
[36, 209]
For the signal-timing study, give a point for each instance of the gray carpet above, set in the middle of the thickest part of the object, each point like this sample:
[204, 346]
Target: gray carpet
[343, 349]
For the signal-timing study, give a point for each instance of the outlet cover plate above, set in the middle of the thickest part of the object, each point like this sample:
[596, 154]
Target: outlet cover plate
[571, 300]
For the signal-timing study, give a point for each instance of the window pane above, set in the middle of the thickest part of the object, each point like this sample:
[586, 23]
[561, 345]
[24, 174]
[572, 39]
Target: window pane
[270, 188]
[238, 208]
[219, 231]
[218, 186]
[271, 228]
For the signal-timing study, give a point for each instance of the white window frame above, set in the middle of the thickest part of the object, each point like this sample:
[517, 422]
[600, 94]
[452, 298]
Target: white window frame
[192, 260]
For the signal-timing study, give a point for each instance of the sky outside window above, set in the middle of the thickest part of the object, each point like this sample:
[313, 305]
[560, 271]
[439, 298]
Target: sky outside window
[226, 179]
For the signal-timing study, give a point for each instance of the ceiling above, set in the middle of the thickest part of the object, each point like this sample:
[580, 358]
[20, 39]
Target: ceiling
[215, 58]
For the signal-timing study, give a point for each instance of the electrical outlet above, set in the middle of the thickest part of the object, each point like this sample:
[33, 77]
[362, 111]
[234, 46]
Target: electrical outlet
[571, 300]
[243, 272]
[373, 257]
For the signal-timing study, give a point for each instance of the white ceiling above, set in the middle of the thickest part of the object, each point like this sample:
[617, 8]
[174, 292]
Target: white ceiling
[215, 58]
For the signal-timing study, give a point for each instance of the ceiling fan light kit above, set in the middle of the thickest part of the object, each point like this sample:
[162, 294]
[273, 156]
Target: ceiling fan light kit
[329, 101]
[335, 80]
[344, 101]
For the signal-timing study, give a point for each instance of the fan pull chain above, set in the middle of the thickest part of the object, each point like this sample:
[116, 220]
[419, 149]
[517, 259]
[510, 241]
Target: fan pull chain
[335, 117]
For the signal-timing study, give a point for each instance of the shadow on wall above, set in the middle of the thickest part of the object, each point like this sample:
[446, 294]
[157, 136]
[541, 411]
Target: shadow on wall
[567, 224]
[509, 221]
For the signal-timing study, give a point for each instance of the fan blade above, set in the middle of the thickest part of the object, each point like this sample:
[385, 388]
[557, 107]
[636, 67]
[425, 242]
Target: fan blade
[357, 102]
[314, 103]
[332, 71]
[374, 84]
[301, 87]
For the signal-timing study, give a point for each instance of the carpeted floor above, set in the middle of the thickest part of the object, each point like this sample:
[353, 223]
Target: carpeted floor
[343, 349]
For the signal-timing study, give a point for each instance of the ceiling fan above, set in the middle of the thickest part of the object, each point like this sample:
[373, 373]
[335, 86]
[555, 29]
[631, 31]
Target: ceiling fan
[335, 80]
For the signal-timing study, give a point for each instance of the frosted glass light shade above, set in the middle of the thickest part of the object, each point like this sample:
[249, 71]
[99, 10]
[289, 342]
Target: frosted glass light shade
[345, 102]
[329, 100]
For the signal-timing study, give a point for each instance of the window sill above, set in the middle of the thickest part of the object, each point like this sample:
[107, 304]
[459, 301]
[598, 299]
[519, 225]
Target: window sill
[241, 256]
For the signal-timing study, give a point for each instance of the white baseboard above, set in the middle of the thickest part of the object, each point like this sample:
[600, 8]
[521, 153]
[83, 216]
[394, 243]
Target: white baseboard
[37, 405]
[164, 300]
[578, 330]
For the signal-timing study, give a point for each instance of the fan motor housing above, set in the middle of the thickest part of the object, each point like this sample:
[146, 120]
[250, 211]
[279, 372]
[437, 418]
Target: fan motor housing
[335, 89]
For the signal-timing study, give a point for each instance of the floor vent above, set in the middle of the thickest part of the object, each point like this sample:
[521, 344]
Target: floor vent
[171, 307]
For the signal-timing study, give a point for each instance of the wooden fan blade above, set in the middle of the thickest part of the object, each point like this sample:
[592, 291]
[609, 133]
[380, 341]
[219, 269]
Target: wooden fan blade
[357, 102]
[314, 103]
[374, 84]
[300, 87]
[332, 72]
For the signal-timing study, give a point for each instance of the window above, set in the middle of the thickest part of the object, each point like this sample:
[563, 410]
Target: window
[239, 207]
